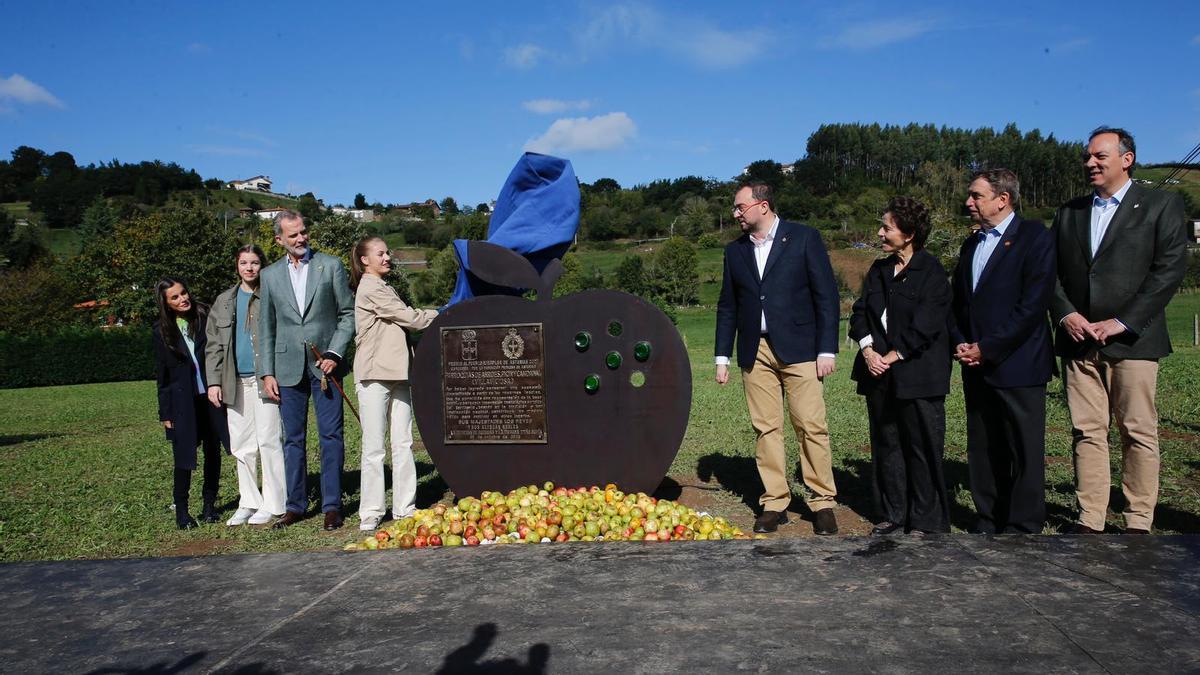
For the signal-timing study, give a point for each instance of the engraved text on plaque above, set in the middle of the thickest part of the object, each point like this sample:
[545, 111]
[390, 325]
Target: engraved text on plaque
[493, 384]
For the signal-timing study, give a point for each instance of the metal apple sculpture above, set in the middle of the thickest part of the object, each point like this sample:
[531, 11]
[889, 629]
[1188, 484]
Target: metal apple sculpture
[587, 389]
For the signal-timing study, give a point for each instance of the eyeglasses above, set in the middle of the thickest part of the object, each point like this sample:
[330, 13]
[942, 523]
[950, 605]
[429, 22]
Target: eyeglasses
[739, 209]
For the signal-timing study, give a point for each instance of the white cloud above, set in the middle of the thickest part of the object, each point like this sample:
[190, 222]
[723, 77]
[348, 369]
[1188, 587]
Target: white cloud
[581, 134]
[1071, 45]
[17, 88]
[874, 34]
[697, 40]
[524, 56]
[550, 106]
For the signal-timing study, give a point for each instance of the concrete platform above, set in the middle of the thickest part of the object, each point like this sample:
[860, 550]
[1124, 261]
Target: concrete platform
[951, 604]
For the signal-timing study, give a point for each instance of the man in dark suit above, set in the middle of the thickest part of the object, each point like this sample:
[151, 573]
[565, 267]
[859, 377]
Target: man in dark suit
[1002, 290]
[306, 300]
[779, 297]
[1122, 252]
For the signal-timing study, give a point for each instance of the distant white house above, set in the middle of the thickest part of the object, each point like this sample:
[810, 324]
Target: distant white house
[361, 215]
[257, 184]
[1196, 231]
[269, 214]
[785, 169]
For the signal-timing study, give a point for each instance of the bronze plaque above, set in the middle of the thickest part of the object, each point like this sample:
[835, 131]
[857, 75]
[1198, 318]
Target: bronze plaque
[493, 384]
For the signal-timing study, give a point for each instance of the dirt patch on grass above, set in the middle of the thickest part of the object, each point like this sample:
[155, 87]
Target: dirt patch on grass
[710, 498]
[853, 264]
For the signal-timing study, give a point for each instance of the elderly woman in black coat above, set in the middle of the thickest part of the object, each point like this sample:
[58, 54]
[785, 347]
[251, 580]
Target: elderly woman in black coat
[183, 406]
[903, 371]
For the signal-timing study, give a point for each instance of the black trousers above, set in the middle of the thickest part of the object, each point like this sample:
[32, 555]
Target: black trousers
[908, 438]
[212, 464]
[1006, 456]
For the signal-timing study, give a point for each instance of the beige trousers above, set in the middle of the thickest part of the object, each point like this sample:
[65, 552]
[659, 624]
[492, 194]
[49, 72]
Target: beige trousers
[766, 384]
[384, 401]
[256, 433]
[1099, 390]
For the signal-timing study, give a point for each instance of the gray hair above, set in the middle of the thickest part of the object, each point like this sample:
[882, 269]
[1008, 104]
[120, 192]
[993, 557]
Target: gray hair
[287, 214]
[1001, 181]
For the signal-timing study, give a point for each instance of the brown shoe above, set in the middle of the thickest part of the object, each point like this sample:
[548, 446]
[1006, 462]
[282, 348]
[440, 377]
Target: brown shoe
[824, 522]
[287, 520]
[333, 520]
[769, 521]
[1080, 528]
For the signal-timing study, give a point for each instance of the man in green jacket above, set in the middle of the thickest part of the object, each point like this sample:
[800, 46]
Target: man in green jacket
[1122, 252]
[305, 299]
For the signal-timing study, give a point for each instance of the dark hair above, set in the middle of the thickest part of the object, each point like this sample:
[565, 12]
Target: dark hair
[1124, 142]
[356, 267]
[251, 248]
[760, 192]
[167, 329]
[1002, 180]
[912, 218]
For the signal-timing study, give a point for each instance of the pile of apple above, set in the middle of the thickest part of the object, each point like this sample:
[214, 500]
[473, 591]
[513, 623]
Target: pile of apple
[529, 515]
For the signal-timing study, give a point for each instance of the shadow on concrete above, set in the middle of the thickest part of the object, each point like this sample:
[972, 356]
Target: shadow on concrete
[466, 659]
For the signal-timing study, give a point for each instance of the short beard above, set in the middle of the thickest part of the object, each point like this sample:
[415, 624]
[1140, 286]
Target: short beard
[296, 251]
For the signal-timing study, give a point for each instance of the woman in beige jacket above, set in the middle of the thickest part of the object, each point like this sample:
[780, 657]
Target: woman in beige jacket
[381, 376]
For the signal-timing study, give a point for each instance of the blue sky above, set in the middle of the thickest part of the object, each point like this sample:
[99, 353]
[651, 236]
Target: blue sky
[404, 102]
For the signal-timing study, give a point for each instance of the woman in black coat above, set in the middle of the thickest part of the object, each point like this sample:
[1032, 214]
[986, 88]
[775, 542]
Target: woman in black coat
[183, 406]
[903, 370]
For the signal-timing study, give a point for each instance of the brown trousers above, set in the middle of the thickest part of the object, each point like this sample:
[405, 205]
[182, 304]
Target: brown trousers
[765, 384]
[1099, 390]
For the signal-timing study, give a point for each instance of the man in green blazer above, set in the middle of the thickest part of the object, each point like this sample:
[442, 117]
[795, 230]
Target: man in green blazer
[1122, 252]
[305, 299]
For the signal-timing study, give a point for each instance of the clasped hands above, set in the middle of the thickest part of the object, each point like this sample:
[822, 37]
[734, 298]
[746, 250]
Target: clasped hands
[968, 354]
[1080, 329]
[878, 364]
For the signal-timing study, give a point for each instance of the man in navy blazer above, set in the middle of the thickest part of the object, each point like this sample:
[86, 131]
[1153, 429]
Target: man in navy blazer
[780, 300]
[1002, 290]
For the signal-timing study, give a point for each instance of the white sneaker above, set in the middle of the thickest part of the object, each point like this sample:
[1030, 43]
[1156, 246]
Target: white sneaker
[369, 523]
[262, 517]
[240, 517]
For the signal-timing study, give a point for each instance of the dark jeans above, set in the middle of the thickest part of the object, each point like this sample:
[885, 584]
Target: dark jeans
[293, 409]
[1006, 456]
[211, 443]
[907, 442]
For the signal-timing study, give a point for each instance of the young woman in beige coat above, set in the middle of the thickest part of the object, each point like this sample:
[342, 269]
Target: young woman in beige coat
[381, 376]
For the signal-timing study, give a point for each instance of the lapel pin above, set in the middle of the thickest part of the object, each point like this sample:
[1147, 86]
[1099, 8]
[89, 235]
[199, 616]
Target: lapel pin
[1007, 244]
[1136, 205]
[784, 240]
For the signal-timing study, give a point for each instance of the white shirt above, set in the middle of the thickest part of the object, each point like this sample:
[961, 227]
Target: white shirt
[1103, 211]
[762, 251]
[299, 274]
[989, 240]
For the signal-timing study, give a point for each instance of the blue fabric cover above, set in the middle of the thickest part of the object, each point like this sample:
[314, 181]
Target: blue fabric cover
[536, 215]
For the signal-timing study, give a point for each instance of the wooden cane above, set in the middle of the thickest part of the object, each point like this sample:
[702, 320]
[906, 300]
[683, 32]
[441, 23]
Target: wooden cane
[337, 385]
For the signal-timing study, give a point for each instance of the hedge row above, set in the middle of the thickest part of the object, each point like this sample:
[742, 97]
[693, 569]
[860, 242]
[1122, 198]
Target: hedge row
[76, 356]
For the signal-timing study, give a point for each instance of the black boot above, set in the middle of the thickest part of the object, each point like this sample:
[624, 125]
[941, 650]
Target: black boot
[209, 514]
[183, 481]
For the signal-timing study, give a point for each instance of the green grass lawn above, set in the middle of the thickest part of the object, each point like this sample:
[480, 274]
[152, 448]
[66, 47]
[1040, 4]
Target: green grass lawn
[86, 469]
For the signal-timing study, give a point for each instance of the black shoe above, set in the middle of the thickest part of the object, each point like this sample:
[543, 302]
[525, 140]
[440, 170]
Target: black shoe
[770, 521]
[1080, 528]
[209, 514]
[884, 528]
[824, 522]
[186, 522]
[1136, 530]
